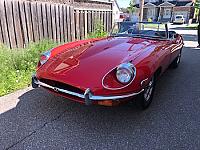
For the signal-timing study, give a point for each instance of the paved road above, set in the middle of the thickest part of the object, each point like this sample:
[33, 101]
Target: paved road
[35, 119]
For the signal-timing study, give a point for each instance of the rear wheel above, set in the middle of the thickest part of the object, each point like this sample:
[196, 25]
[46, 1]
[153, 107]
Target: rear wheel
[146, 97]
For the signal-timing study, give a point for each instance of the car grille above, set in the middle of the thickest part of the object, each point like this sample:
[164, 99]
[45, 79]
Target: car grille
[62, 86]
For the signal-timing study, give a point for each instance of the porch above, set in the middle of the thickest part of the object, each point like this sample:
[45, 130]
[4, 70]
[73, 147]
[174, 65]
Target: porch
[165, 12]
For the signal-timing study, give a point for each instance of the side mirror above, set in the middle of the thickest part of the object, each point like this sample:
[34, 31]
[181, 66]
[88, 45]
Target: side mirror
[174, 42]
[176, 35]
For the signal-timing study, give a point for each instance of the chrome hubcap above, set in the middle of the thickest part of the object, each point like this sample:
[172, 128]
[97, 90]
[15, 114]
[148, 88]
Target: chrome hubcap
[148, 90]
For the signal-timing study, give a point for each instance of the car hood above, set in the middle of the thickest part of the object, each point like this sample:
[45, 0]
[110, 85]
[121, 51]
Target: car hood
[85, 65]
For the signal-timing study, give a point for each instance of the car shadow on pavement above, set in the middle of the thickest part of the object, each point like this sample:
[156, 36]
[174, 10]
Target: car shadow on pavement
[38, 108]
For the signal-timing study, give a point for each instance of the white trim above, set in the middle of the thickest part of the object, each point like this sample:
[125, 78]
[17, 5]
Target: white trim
[166, 3]
[150, 5]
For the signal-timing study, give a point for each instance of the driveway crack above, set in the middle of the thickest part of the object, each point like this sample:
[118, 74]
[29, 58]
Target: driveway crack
[33, 132]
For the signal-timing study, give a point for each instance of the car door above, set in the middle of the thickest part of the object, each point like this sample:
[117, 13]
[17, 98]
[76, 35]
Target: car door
[165, 54]
[176, 46]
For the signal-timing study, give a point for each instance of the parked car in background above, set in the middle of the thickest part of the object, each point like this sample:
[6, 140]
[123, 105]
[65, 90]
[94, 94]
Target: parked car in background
[124, 17]
[107, 71]
[179, 19]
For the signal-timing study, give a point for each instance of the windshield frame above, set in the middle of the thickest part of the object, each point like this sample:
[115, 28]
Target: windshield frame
[142, 36]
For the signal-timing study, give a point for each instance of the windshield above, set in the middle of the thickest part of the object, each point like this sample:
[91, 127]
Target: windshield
[179, 17]
[144, 30]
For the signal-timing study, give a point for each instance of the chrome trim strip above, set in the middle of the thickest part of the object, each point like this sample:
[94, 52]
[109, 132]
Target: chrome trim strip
[141, 83]
[87, 95]
[61, 90]
[179, 46]
[114, 97]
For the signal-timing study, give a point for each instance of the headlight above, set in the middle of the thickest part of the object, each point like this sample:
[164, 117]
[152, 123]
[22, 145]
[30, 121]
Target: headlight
[125, 73]
[44, 57]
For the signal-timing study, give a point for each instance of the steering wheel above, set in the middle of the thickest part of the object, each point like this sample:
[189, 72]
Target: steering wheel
[157, 33]
[130, 31]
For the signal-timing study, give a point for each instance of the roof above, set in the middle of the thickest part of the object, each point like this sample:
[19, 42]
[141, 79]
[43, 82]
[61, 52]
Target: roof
[182, 3]
[149, 5]
[166, 4]
[117, 4]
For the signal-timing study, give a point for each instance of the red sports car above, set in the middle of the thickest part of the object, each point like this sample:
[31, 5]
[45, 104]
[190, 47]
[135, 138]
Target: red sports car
[106, 71]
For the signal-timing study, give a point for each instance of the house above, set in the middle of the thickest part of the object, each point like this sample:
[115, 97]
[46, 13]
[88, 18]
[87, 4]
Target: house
[166, 10]
[116, 10]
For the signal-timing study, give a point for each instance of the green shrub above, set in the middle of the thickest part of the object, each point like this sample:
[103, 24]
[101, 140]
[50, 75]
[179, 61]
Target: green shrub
[192, 27]
[17, 65]
[98, 31]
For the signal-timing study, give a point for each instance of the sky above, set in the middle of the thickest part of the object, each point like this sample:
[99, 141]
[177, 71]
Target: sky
[123, 3]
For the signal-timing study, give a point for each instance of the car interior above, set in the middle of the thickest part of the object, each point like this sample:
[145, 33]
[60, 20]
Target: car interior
[161, 34]
[128, 28]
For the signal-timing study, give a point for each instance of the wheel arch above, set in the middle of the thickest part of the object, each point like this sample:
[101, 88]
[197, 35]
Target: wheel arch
[158, 72]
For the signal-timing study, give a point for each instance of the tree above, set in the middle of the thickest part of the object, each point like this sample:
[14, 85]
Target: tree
[131, 8]
[124, 10]
[141, 10]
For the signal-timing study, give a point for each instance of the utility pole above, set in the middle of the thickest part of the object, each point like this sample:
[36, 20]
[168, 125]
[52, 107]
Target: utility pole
[197, 5]
[141, 10]
[198, 30]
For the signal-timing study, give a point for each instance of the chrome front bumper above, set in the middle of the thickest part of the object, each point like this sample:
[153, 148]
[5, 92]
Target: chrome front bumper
[87, 96]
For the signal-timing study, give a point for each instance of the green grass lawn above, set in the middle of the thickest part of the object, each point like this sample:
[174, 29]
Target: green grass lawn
[17, 65]
[192, 26]
[154, 26]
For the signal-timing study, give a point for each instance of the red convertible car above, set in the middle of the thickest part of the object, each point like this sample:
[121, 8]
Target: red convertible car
[106, 71]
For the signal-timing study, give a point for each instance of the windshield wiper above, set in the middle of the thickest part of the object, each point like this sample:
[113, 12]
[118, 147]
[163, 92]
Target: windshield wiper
[136, 35]
[153, 37]
[121, 35]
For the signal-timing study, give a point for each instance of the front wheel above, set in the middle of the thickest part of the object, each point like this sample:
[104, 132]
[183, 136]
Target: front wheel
[177, 61]
[146, 97]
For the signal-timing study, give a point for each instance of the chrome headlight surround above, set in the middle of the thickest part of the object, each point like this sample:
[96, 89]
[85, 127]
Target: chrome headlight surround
[44, 57]
[125, 73]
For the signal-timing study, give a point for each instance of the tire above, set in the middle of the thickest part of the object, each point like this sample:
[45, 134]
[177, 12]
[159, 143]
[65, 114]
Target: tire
[145, 98]
[176, 61]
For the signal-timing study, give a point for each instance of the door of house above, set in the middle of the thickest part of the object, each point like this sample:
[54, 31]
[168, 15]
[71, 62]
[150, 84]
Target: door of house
[167, 13]
[151, 13]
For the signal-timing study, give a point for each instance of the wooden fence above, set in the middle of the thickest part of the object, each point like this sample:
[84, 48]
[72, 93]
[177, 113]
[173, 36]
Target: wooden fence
[22, 22]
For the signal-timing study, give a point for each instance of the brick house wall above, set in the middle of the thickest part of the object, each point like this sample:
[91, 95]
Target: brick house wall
[186, 10]
[181, 8]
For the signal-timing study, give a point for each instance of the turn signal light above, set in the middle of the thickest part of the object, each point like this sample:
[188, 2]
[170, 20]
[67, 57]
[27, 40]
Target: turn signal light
[108, 103]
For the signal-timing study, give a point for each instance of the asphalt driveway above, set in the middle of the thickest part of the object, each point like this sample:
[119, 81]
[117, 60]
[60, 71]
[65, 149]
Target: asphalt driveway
[36, 119]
